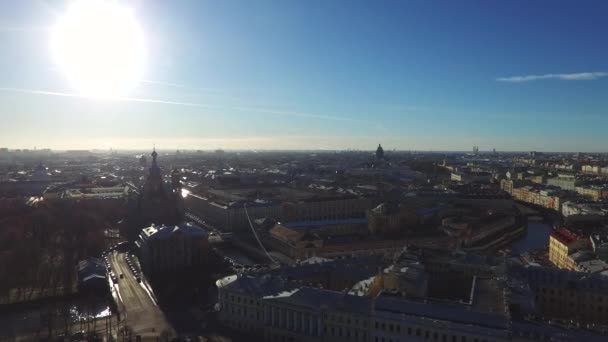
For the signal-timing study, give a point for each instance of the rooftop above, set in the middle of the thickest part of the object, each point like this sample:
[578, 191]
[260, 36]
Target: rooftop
[593, 265]
[308, 224]
[564, 236]
[316, 299]
[458, 313]
[167, 231]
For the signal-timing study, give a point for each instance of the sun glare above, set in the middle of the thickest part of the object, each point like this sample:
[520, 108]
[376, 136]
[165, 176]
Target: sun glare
[99, 45]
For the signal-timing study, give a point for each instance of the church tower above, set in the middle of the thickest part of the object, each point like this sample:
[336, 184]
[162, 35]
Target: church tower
[379, 152]
[153, 187]
[158, 201]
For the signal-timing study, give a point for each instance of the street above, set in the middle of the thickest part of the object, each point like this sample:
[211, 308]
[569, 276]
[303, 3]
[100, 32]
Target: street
[136, 303]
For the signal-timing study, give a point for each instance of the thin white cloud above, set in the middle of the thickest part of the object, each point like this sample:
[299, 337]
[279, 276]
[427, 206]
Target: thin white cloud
[185, 104]
[580, 76]
[125, 99]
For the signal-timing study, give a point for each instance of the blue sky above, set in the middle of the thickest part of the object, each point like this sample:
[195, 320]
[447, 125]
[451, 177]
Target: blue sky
[325, 74]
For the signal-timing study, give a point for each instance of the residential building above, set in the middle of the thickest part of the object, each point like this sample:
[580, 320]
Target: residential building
[570, 208]
[591, 169]
[388, 217]
[277, 307]
[566, 295]
[301, 244]
[536, 195]
[464, 176]
[229, 209]
[279, 310]
[593, 192]
[114, 192]
[563, 181]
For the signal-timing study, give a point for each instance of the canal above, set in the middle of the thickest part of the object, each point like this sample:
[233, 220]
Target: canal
[536, 237]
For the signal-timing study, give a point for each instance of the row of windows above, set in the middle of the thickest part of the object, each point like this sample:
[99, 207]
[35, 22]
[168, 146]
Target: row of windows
[361, 335]
[557, 277]
[339, 332]
[283, 338]
[239, 311]
[240, 325]
[553, 302]
[237, 299]
[409, 331]
[435, 337]
[341, 319]
[560, 294]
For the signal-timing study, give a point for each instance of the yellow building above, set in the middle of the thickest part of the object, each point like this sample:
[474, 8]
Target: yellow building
[562, 243]
[595, 193]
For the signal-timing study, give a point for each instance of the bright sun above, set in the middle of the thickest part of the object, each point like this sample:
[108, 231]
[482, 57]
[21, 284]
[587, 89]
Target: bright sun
[100, 47]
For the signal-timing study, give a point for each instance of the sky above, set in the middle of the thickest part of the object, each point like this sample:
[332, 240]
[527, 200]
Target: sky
[323, 74]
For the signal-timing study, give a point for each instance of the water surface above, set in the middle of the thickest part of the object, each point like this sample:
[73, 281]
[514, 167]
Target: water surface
[536, 237]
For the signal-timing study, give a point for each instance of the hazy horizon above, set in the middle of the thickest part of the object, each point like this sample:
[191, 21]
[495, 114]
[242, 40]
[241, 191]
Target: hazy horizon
[171, 150]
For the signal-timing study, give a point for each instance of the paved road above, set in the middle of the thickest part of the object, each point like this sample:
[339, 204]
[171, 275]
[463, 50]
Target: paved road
[136, 302]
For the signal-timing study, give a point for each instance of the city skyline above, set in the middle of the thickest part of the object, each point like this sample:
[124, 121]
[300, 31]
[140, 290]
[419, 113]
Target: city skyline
[323, 75]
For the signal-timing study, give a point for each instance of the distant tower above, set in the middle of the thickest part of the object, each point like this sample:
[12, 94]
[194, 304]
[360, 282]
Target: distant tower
[475, 150]
[379, 152]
